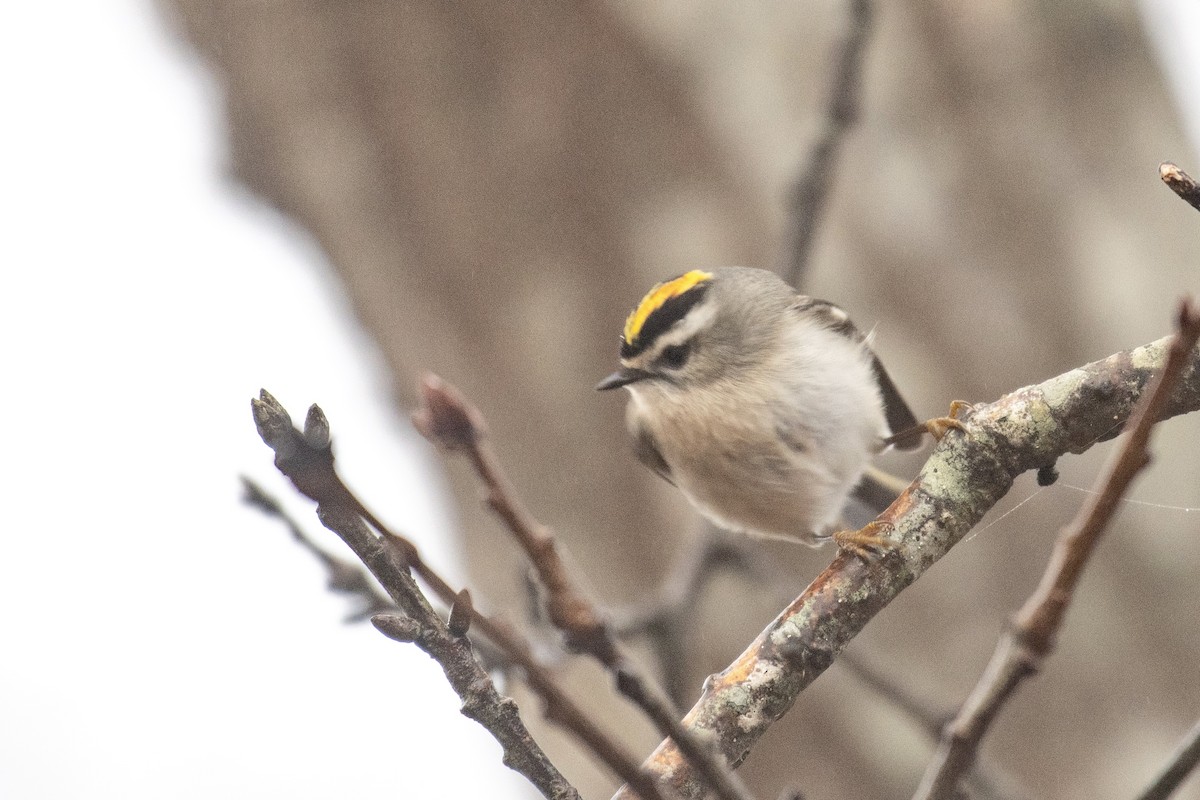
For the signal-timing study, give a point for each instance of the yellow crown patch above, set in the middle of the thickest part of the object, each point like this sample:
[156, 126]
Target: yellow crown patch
[659, 295]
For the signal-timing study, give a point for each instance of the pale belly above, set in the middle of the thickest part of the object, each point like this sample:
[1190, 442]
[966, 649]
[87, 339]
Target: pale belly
[749, 480]
[773, 460]
[776, 496]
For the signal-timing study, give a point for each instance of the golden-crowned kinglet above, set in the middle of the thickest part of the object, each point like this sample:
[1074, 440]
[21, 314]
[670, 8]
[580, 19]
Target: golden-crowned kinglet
[763, 406]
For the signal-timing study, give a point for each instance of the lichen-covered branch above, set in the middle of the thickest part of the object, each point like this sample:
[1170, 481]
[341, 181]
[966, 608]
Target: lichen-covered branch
[967, 473]
[1030, 640]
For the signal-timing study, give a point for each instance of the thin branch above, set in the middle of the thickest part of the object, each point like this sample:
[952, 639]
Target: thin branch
[1181, 183]
[352, 579]
[811, 191]
[343, 577]
[967, 473]
[449, 419]
[1030, 641]
[1182, 762]
[307, 460]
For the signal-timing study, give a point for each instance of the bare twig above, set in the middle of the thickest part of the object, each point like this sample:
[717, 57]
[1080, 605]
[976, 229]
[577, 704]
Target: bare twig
[481, 701]
[1182, 762]
[307, 460]
[1181, 183]
[967, 473]
[347, 578]
[811, 190]
[344, 577]
[1030, 641]
[450, 420]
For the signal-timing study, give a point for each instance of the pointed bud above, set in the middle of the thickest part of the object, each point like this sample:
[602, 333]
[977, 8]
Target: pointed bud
[316, 428]
[461, 612]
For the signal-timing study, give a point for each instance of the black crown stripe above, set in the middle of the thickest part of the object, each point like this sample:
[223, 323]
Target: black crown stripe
[662, 318]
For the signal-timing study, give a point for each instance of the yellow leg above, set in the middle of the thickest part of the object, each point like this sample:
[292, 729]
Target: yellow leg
[940, 426]
[867, 541]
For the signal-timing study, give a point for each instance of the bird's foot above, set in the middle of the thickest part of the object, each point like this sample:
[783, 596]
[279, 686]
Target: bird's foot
[938, 427]
[866, 542]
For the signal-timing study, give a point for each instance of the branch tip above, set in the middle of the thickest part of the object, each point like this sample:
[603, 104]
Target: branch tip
[388, 557]
[445, 416]
[255, 496]
[451, 420]
[270, 418]
[1189, 316]
[316, 428]
[1180, 183]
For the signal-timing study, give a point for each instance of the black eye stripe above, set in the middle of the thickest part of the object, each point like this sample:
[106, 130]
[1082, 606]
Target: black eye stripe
[663, 318]
[676, 355]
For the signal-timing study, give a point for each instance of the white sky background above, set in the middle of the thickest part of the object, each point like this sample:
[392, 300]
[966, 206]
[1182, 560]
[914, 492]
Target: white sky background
[157, 638]
[1174, 30]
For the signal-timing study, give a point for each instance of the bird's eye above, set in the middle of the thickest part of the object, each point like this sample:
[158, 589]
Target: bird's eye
[676, 355]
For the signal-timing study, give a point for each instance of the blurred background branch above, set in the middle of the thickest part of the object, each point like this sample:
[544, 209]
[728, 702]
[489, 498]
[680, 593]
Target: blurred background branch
[810, 194]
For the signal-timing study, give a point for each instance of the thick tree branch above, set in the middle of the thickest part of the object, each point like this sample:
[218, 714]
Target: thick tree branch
[967, 473]
[450, 420]
[307, 460]
[1030, 641]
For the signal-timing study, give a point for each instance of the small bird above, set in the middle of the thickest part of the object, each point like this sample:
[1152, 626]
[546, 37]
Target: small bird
[761, 405]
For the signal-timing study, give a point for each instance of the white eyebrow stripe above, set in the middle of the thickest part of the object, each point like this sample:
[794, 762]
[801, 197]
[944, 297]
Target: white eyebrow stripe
[700, 317]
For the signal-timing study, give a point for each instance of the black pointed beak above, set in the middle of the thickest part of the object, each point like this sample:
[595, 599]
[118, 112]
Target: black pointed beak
[622, 377]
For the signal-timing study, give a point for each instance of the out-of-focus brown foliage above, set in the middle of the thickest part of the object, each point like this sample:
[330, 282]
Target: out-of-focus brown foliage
[497, 184]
